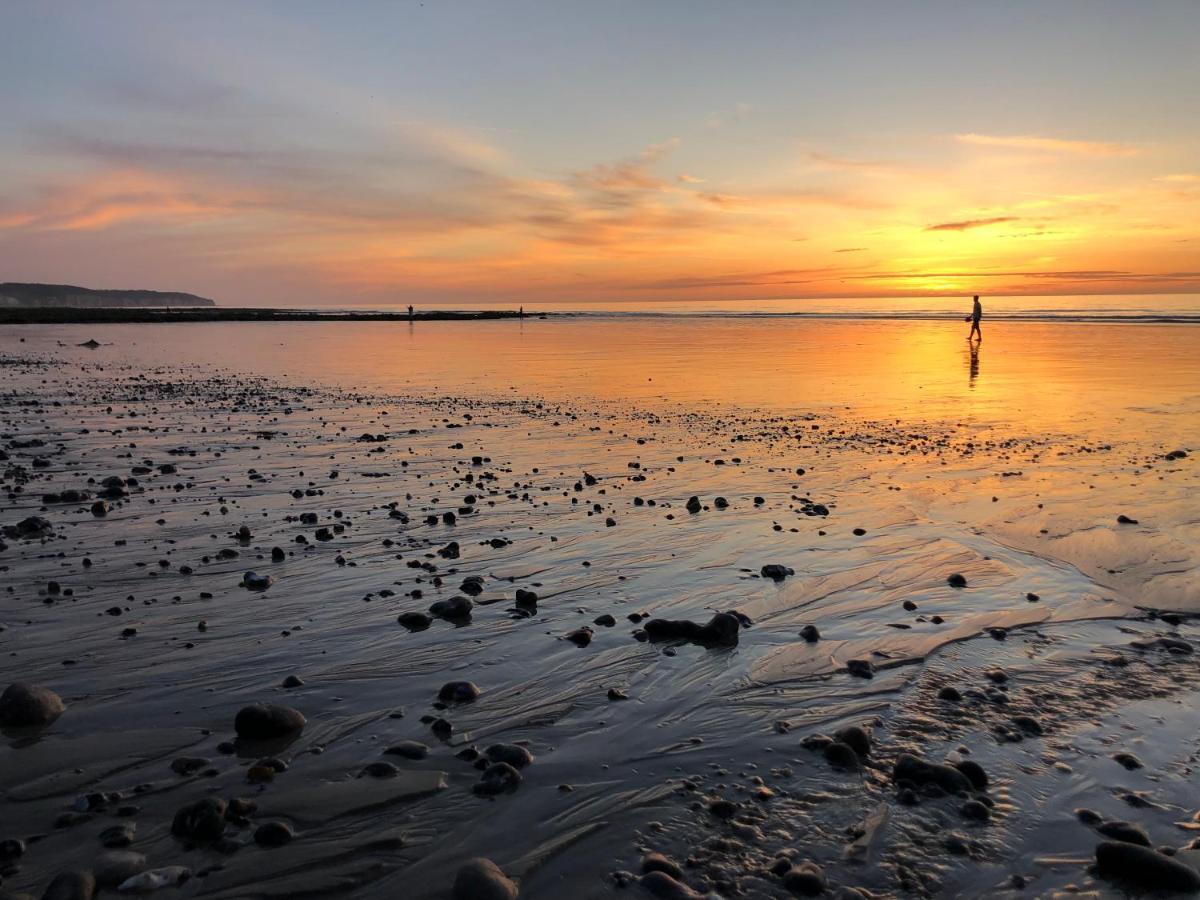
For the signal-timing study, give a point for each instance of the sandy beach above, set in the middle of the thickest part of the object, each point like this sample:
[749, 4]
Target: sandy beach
[566, 618]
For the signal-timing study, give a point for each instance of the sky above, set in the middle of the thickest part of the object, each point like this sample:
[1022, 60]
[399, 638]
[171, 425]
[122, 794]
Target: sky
[448, 151]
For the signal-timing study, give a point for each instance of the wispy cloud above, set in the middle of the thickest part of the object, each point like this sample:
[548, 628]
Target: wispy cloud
[1048, 144]
[968, 224]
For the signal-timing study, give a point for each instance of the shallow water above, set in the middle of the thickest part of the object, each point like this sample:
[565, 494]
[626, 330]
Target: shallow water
[1012, 475]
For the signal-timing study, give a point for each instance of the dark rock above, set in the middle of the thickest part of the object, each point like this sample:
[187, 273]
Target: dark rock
[856, 737]
[266, 721]
[957, 580]
[617, 694]
[805, 880]
[1125, 520]
[776, 571]
[580, 637]
[29, 706]
[721, 630]
[458, 692]
[974, 772]
[950, 693]
[976, 811]
[1124, 831]
[273, 834]
[256, 582]
[860, 668]
[414, 621]
[453, 609]
[408, 750]
[663, 886]
[916, 771]
[71, 886]
[693, 505]
[841, 756]
[605, 621]
[481, 879]
[498, 778]
[293, 681]
[810, 633]
[202, 821]
[513, 754]
[1144, 868]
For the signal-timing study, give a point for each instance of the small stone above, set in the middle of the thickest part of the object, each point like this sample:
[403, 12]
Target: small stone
[408, 750]
[202, 821]
[513, 754]
[810, 633]
[273, 834]
[29, 706]
[498, 778]
[71, 886]
[458, 692]
[805, 880]
[957, 580]
[482, 879]
[266, 721]
[1144, 868]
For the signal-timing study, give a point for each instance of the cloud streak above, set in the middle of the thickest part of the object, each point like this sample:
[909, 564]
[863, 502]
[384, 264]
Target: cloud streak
[968, 224]
[1049, 144]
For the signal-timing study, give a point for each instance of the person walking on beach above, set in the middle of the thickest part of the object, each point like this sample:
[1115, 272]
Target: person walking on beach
[976, 315]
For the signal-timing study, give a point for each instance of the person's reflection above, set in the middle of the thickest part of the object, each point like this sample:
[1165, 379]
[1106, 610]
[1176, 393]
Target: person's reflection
[973, 350]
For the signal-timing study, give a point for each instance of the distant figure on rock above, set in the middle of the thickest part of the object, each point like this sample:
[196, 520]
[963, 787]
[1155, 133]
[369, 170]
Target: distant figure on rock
[973, 318]
[410, 311]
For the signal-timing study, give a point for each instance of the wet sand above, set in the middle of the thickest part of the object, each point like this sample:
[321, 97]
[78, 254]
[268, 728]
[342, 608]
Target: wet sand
[464, 471]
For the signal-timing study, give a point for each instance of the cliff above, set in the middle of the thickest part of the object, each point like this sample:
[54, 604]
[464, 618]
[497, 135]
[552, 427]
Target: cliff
[16, 295]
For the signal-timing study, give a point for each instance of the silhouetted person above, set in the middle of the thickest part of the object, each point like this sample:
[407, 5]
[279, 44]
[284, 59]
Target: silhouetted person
[522, 312]
[976, 315]
[410, 312]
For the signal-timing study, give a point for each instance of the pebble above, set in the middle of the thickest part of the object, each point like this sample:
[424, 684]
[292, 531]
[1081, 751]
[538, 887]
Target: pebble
[914, 770]
[805, 880]
[273, 834]
[29, 706]
[202, 821]
[408, 750]
[663, 886]
[1144, 868]
[71, 886]
[458, 692]
[513, 754]
[266, 721]
[482, 879]
[498, 778]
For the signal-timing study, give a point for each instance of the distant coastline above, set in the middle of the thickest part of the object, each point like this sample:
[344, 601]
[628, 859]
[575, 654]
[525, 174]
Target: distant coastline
[67, 315]
[30, 295]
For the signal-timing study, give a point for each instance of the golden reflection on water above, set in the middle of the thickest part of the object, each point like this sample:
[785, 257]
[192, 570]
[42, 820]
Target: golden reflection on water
[1043, 373]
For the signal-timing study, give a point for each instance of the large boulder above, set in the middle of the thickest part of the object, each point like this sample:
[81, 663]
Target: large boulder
[267, 721]
[29, 705]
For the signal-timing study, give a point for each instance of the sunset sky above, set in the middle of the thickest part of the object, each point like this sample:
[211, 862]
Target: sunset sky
[449, 151]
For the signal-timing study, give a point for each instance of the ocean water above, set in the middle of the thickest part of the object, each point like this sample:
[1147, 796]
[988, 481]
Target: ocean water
[1065, 376]
[1077, 307]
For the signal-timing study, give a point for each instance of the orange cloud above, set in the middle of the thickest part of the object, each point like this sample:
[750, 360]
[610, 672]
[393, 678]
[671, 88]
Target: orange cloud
[1053, 145]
